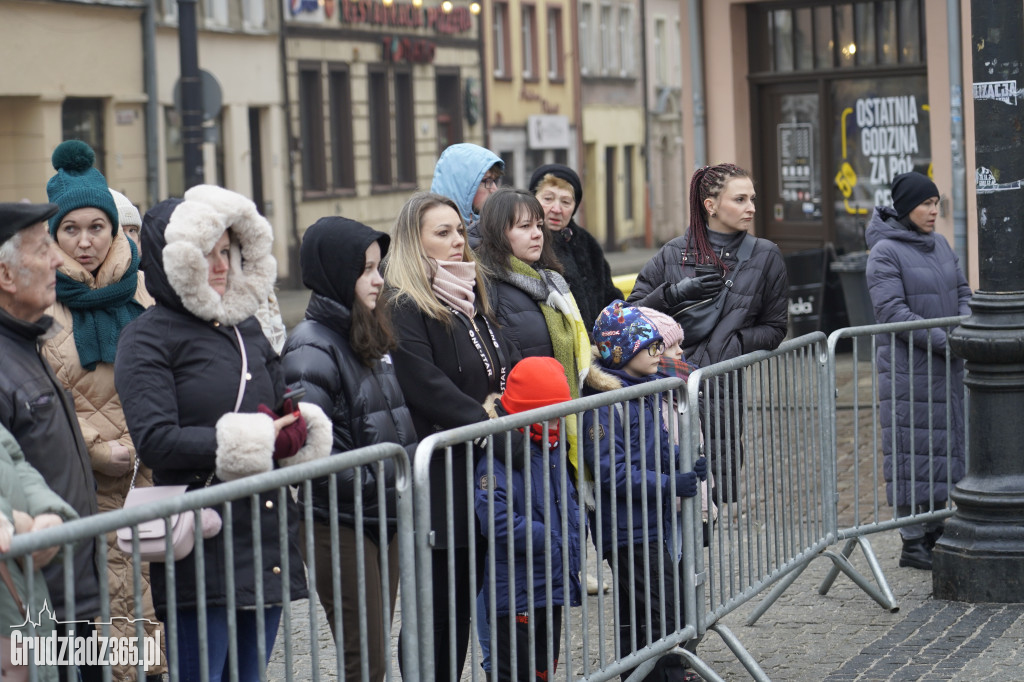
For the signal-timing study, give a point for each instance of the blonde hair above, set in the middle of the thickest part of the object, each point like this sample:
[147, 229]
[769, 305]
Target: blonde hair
[409, 271]
[551, 180]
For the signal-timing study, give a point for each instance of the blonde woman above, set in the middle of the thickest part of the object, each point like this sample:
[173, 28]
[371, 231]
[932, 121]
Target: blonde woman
[450, 357]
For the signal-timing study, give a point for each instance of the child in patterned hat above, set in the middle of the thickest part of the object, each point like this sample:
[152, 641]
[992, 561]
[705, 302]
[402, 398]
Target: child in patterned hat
[637, 478]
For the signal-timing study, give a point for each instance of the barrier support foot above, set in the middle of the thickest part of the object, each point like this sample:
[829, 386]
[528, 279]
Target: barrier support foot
[741, 653]
[840, 562]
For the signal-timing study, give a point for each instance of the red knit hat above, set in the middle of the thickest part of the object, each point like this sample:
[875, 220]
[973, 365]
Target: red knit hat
[535, 382]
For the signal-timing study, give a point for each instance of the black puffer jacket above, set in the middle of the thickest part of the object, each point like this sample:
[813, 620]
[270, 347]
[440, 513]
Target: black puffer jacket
[365, 404]
[586, 270]
[40, 414]
[755, 314]
[178, 377]
[521, 321]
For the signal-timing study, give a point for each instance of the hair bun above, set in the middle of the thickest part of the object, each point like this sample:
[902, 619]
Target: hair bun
[74, 156]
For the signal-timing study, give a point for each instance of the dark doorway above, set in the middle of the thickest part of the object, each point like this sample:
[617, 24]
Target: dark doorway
[609, 199]
[256, 160]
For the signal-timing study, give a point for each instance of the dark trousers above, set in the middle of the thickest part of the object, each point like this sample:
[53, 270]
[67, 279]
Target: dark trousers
[657, 591]
[518, 660]
[446, 669]
[378, 623]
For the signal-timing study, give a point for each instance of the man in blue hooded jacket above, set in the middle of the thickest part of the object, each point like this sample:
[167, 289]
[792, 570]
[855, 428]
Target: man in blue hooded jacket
[468, 174]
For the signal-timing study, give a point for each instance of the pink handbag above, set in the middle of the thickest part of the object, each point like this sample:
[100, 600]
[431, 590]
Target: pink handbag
[152, 534]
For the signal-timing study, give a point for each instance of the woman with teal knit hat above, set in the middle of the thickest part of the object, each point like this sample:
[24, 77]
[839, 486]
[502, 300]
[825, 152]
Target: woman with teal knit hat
[99, 291]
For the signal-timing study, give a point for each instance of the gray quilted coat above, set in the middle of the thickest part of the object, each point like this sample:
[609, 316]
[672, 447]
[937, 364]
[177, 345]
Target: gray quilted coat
[912, 276]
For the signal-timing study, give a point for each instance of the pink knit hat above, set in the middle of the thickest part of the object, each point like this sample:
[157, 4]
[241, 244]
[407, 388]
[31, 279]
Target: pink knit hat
[671, 332]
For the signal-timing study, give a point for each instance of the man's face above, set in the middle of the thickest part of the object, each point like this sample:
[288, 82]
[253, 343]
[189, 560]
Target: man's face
[32, 279]
[488, 186]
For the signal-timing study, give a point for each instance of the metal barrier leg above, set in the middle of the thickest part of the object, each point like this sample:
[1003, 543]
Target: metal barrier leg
[738, 650]
[694, 661]
[777, 591]
[882, 594]
[833, 572]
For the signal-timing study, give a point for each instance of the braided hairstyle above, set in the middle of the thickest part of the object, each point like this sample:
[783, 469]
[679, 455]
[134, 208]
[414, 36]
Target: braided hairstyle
[707, 182]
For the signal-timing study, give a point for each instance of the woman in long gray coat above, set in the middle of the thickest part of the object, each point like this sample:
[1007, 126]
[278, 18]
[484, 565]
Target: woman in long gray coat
[913, 274]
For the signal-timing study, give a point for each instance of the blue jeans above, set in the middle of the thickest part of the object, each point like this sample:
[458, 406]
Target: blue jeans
[216, 637]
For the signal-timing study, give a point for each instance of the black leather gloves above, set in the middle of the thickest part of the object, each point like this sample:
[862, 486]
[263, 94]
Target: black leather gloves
[694, 288]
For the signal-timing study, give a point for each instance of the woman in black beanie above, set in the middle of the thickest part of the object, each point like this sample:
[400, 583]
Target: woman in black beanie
[341, 355]
[587, 272]
[913, 274]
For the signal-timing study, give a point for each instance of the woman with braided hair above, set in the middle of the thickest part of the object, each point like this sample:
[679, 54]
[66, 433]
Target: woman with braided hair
[718, 252]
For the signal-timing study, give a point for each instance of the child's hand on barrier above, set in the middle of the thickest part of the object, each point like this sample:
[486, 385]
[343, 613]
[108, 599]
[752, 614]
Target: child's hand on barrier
[700, 467]
[686, 484]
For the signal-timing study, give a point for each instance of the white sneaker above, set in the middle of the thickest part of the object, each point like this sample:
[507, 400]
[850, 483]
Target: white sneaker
[593, 587]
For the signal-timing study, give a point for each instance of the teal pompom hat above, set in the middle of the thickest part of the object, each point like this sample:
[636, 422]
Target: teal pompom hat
[78, 184]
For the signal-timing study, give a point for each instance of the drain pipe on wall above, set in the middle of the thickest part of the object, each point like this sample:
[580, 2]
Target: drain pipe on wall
[152, 104]
[700, 146]
[956, 113]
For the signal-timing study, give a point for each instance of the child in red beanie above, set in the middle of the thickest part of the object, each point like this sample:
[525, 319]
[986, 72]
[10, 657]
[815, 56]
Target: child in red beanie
[527, 517]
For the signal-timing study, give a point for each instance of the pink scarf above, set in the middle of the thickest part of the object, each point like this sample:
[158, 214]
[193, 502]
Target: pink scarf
[453, 283]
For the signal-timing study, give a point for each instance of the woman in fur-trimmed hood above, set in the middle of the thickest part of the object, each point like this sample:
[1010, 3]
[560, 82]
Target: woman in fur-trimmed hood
[202, 391]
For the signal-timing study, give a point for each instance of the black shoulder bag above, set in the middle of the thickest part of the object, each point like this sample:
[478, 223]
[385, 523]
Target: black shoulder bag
[699, 319]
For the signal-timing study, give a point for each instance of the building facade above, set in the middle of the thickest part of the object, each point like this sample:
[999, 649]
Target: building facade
[532, 103]
[376, 90]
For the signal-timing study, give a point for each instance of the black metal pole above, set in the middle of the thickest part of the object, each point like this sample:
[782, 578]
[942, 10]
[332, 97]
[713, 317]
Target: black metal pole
[980, 558]
[191, 94]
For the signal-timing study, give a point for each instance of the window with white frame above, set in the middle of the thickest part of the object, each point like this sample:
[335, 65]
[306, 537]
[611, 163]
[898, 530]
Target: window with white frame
[626, 42]
[606, 36]
[660, 52]
[216, 12]
[529, 30]
[170, 11]
[500, 28]
[585, 37]
[254, 14]
[555, 43]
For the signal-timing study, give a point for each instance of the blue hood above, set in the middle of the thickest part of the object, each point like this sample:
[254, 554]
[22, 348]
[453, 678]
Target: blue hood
[458, 173]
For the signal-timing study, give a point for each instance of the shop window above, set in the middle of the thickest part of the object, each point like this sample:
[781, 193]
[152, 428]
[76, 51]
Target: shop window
[627, 41]
[405, 128]
[529, 30]
[380, 127]
[216, 12]
[82, 119]
[586, 38]
[501, 40]
[449, 110]
[555, 44]
[342, 142]
[254, 14]
[311, 128]
[841, 35]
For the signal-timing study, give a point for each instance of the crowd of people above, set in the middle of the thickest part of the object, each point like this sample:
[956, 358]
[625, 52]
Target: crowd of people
[149, 350]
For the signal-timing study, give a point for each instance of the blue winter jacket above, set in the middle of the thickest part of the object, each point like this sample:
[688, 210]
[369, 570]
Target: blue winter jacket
[912, 276]
[527, 526]
[458, 174]
[622, 482]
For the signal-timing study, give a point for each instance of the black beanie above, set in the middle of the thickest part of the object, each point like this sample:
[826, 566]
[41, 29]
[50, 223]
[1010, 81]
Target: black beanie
[333, 254]
[910, 190]
[562, 173]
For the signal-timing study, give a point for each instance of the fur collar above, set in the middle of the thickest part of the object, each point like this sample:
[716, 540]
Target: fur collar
[195, 226]
[113, 267]
[598, 379]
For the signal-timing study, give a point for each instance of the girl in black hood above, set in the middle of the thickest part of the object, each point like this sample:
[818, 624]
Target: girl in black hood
[341, 355]
[197, 379]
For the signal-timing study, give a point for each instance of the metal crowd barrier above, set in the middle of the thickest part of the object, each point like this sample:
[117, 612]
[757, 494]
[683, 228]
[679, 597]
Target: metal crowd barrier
[303, 648]
[811, 479]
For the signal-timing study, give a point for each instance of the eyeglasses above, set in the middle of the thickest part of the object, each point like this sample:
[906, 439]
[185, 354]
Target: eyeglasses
[656, 349]
[491, 183]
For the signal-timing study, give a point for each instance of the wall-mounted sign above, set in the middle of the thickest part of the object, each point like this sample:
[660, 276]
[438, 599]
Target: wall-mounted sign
[410, 50]
[405, 15]
[797, 174]
[548, 132]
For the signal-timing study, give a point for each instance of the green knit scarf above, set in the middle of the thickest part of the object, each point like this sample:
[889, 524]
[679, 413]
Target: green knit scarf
[99, 315]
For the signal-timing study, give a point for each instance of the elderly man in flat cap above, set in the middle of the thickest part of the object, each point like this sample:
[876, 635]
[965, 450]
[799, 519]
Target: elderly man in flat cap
[34, 406]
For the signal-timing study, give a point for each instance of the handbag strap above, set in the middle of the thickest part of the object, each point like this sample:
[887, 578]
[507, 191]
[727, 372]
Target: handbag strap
[245, 369]
[742, 256]
[5, 575]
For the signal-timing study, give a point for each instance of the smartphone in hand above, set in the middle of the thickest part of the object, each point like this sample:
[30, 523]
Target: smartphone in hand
[296, 394]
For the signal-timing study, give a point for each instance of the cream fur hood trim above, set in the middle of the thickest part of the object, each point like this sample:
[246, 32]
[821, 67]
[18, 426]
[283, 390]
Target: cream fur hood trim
[193, 230]
[597, 378]
[319, 436]
[245, 445]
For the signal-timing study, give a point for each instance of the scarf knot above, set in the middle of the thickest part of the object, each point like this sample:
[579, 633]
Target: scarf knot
[99, 315]
[453, 283]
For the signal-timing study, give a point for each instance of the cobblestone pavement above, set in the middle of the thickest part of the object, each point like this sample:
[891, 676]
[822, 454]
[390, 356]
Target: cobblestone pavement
[841, 636]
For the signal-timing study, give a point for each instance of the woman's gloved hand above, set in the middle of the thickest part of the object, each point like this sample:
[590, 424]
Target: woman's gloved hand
[290, 429]
[694, 288]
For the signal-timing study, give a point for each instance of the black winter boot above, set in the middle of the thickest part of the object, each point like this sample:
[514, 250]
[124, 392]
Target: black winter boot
[916, 554]
[932, 536]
